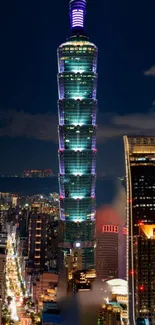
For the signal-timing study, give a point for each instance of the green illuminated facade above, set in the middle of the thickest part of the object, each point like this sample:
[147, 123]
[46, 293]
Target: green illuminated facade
[77, 85]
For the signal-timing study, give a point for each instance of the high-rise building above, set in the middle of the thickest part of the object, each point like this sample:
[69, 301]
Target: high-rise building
[107, 252]
[140, 175]
[145, 268]
[77, 86]
[37, 241]
[52, 242]
[39, 224]
[122, 244]
[23, 222]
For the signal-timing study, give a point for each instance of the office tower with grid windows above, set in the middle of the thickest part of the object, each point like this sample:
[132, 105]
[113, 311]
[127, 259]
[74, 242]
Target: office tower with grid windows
[107, 252]
[37, 239]
[140, 175]
[77, 104]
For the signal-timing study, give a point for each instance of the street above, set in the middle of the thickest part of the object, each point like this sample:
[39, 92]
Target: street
[13, 286]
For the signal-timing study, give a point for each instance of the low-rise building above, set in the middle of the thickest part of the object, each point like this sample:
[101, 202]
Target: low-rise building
[44, 288]
[51, 314]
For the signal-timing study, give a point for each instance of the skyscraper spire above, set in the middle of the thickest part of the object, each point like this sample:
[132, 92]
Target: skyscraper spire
[77, 15]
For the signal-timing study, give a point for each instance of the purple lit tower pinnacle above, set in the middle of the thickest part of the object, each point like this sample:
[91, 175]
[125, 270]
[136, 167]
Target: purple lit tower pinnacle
[77, 13]
[77, 104]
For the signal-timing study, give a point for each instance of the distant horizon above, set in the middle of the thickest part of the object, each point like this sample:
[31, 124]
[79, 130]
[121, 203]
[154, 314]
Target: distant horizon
[19, 175]
[107, 188]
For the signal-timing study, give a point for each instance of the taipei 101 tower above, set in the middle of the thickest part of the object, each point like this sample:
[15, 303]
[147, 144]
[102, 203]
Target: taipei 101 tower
[77, 104]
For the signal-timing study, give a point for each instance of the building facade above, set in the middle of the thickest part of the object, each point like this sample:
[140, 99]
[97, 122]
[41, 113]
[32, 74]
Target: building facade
[37, 240]
[51, 314]
[140, 175]
[122, 244]
[114, 308]
[107, 252]
[110, 314]
[77, 104]
[145, 268]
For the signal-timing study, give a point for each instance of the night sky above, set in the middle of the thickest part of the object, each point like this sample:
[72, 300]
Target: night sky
[31, 31]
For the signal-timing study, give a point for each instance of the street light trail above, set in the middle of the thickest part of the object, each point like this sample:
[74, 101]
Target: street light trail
[12, 281]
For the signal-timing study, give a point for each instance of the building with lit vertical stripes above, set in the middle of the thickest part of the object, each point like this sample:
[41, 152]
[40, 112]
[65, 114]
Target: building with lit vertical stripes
[77, 104]
[140, 175]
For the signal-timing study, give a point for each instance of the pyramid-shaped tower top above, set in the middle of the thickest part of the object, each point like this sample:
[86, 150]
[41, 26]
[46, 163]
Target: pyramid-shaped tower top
[77, 15]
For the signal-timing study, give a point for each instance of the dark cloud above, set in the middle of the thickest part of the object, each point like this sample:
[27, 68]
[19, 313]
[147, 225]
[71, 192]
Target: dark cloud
[150, 71]
[153, 104]
[134, 124]
[135, 121]
[36, 126]
[44, 126]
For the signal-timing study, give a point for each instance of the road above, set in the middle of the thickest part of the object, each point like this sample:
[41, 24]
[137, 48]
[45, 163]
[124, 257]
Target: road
[13, 285]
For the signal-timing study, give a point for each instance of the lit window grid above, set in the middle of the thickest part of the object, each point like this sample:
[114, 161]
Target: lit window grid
[110, 229]
[77, 137]
[72, 230]
[77, 59]
[72, 162]
[139, 153]
[74, 86]
[77, 112]
[78, 210]
[75, 186]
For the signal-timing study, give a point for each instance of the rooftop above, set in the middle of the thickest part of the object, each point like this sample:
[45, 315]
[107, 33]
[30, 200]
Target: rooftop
[51, 318]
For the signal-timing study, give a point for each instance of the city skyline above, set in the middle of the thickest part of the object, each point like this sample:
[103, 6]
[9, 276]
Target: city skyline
[29, 87]
[100, 242]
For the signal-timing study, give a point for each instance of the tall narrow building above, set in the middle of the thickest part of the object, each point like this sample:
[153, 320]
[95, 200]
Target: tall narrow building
[140, 175]
[77, 104]
[107, 252]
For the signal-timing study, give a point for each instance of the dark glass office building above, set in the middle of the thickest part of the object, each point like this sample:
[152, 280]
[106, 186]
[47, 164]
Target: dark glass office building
[140, 175]
[77, 104]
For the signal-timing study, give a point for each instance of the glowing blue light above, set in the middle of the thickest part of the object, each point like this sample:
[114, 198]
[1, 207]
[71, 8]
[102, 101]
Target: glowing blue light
[77, 174]
[77, 97]
[76, 124]
[78, 149]
[78, 70]
[78, 197]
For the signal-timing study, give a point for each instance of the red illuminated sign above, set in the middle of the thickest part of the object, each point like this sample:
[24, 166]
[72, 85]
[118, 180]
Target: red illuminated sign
[110, 228]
